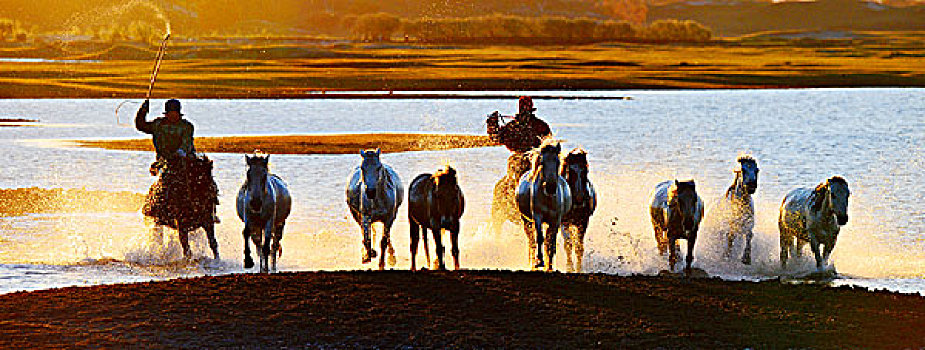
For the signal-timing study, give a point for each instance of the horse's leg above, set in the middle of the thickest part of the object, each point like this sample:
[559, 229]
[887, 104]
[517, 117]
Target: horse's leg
[384, 244]
[438, 245]
[265, 246]
[454, 238]
[672, 254]
[184, 242]
[248, 262]
[730, 238]
[392, 259]
[531, 239]
[213, 243]
[369, 254]
[426, 248]
[538, 232]
[567, 243]
[689, 259]
[552, 233]
[415, 235]
[785, 242]
[814, 245]
[580, 244]
[828, 248]
[277, 249]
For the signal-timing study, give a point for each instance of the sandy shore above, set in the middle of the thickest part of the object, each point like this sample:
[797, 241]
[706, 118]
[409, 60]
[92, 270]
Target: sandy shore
[459, 309]
[309, 144]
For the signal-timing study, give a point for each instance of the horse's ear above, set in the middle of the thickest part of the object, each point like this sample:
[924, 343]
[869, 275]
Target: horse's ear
[268, 158]
[378, 151]
[362, 153]
[677, 183]
[247, 159]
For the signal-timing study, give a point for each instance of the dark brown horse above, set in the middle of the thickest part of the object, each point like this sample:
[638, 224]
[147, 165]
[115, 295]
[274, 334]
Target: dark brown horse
[676, 211]
[584, 201]
[435, 202]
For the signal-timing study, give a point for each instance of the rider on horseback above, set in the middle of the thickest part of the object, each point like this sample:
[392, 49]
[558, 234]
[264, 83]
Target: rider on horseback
[523, 133]
[173, 143]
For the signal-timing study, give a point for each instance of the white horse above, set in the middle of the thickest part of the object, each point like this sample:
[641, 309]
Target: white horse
[374, 193]
[737, 209]
[543, 197]
[263, 205]
[813, 216]
[676, 212]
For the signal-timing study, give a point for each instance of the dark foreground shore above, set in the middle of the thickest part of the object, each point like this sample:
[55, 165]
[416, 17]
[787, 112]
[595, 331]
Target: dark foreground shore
[459, 310]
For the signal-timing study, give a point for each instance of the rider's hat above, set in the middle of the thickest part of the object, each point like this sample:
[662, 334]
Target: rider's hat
[526, 104]
[172, 105]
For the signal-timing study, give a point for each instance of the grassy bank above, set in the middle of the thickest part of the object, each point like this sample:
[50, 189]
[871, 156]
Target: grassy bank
[291, 69]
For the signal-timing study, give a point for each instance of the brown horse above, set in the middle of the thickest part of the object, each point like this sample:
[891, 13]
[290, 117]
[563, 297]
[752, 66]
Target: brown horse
[676, 211]
[584, 201]
[435, 202]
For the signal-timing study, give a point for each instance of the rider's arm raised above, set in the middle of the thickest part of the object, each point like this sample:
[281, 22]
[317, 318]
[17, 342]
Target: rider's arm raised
[140, 123]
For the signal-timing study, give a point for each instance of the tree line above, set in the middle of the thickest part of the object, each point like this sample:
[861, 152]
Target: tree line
[516, 29]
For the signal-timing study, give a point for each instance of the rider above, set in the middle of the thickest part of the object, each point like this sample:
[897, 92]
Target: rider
[172, 136]
[520, 135]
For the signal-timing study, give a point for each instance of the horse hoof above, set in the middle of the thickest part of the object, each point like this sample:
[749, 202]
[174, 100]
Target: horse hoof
[539, 265]
[392, 260]
[747, 261]
[248, 263]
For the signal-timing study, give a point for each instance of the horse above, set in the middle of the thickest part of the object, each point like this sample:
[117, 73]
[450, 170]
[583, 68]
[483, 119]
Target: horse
[374, 193]
[676, 212]
[584, 201]
[184, 199]
[435, 202]
[263, 204]
[813, 216]
[740, 208]
[503, 206]
[543, 196]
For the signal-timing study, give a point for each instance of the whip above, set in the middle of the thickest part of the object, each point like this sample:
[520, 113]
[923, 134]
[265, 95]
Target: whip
[157, 68]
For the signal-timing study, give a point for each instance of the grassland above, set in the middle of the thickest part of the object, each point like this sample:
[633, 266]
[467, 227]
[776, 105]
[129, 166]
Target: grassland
[301, 69]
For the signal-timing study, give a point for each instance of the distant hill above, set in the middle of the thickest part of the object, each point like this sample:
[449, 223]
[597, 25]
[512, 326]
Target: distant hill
[729, 18]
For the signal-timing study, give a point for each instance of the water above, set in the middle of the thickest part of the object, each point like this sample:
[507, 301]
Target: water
[872, 137]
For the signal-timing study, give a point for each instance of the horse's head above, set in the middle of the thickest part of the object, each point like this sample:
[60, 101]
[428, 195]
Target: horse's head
[838, 197]
[748, 171]
[575, 171]
[371, 171]
[257, 171]
[446, 190]
[682, 196]
[546, 166]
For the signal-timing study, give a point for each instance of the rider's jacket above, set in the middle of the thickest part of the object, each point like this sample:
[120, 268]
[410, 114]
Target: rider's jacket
[522, 134]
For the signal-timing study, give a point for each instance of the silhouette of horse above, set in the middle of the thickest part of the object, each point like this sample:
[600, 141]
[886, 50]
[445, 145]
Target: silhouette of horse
[503, 205]
[263, 204]
[183, 198]
[813, 216]
[676, 212]
[543, 197]
[738, 208]
[374, 193]
[435, 202]
[584, 201]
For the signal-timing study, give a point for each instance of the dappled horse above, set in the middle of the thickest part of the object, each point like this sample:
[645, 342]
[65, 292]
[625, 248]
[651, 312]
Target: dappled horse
[183, 198]
[263, 204]
[739, 214]
[813, 216]
[584, 201]
[374, 193]
[435, 202]
[676, 212]
[543, 197]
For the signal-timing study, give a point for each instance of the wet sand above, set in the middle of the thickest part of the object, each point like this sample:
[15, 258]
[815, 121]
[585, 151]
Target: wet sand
[33, 200]
[309, 144]
[459, 310]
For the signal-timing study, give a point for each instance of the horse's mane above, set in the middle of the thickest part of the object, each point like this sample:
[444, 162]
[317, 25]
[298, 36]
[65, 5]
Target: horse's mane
[675, 186]
[817, 196]
[746, 157]
[537, 152]
[576, 156]
[445, 172]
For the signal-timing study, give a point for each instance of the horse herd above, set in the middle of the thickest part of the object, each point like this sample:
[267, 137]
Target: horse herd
[554, 192]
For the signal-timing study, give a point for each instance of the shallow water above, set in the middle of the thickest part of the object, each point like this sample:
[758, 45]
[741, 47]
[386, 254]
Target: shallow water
[872, 137]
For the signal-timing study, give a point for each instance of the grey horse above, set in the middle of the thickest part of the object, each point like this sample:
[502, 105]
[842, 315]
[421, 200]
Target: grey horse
[584, 201]
[543, 196]
[813, 216]
[676, 212]
[435, 202]
[740, 214]
[263, 205]
[374, 193]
